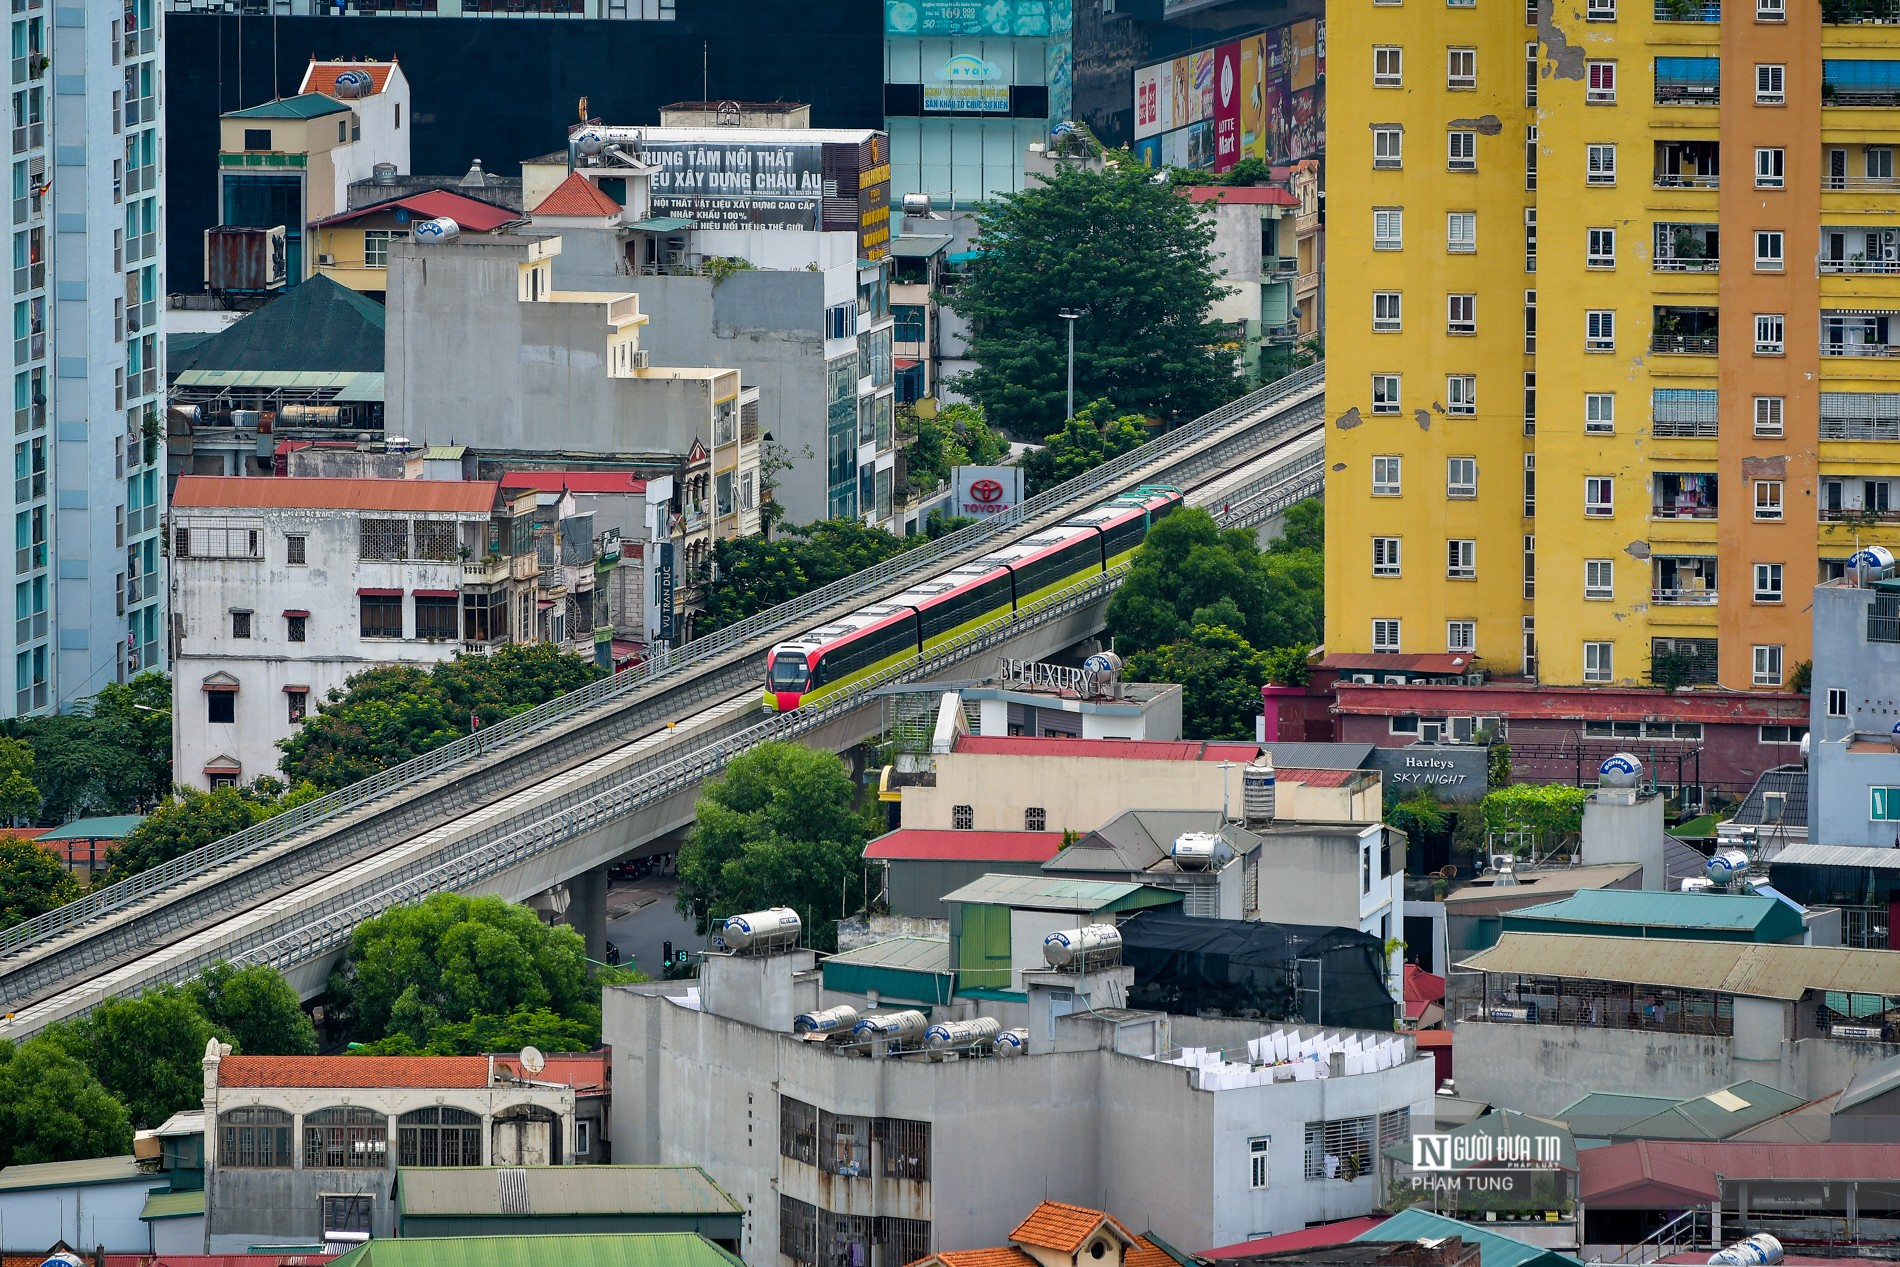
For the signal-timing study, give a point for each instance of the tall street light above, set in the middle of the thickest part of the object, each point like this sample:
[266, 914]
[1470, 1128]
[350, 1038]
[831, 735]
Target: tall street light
[1071, 317]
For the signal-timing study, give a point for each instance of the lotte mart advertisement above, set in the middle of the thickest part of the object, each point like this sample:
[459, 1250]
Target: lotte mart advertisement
[1261, 97]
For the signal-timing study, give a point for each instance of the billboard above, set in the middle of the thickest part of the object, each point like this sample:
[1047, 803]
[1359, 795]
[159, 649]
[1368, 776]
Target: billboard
[985, 490]
[738, 184]
[1227, 96]
[967, 84]
[977, 17]
[1260, 97]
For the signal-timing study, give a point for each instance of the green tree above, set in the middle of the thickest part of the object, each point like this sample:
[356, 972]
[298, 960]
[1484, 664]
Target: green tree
[32, 881]
[1551, 812]
[1136, 257]
[956, 435]
[1287, 666]
[192, 820]
[1085, 441]
[255, 1009]
[779, 828]
[541, 1028]
[1189, 572]
[386, 715]
[111, 755]
[1220, 676]
[1302, 527]
[1419, 815]
[755, 574]
[147, 1051]
[53, 1109]
[450, 960]
[19, 798]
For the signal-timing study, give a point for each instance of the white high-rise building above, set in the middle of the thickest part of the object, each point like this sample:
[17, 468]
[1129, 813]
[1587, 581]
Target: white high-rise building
[88, 427]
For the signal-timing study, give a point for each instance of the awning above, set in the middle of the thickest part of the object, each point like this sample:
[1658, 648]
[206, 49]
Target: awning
[296, 688]
[438, 594]
[905, 363]
[662, 224]
[223, 765]
[544, 603]
[292, 611]
[379, 593]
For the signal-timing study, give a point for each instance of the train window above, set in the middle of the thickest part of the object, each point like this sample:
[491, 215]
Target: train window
[788, 671]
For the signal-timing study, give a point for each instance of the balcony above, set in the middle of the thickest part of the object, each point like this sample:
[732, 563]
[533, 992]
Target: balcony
[1688, 92]
[1688, 10]
[1882, 628]
[1687, 165]
[1683, 582]
[1841, 427]
[1685, 331]
[1281, 268]
[1858, 334]
[1684, 495]
[1687, 248]
[524, 567]
[1849, 81]
[489, 571]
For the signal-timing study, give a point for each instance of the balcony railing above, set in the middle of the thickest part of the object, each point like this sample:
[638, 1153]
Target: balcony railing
[484, 571]
[1660, 511]
[1688, 10]
[1857, 264]
[1672, 180]
[1678, 264]
[1682, 597]
[1881, 184]
[1694, 93]
[1829, 348]
[1283, 266]
[1855, 514]
[1671, 429]
[1860, 95]
[1883, 628]
[1684, 344]
[1850, 12]
[1860, 428]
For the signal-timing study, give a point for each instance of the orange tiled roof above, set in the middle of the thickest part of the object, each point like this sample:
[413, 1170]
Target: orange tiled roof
[321, 76]
[577, 196]
[253, 492]
[352, 1071]
[1006, 1256]
[1145, 1253]
[1063, 1228]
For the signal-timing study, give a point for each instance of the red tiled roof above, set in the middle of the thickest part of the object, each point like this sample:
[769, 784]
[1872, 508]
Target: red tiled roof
[1126, 749]
[321, 76]
[353, 1071]
[967, 846]
[1306, 1238]
[1644, 1166]
[471, 213]
[1422, 987]
[585, 1071]
[1318, 778]
[577, 196]
[1243, 195]
[1145, 1253]
[218, 492]
[1569, 703]
[575, 481]
[1692, 1165]
[1006, 1256]
[1061, 1227]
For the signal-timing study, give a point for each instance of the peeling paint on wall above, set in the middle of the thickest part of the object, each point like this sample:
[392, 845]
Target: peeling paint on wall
[1772, 468]
[1637, 549]
[1424, 417]
[1338, 466]
[1348, 420]
[1488, 124]
[1562, 59]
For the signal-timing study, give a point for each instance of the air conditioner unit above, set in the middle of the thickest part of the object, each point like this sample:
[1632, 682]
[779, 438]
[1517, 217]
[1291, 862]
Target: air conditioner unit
[1395, 679]
[1461, 729]
[1365, 679]
[326, 259]
[640, 359]
[1475, 678]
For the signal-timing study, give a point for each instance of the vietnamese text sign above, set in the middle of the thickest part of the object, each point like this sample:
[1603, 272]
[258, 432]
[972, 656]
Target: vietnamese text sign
[728, 184]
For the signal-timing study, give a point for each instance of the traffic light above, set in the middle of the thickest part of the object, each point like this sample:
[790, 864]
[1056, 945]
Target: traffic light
[666, 955]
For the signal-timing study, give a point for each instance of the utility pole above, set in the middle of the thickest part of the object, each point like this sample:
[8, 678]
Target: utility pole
[1071, 316]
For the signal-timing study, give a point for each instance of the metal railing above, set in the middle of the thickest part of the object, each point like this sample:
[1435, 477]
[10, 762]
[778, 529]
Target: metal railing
[1684, 344]
[1682, 597]
[696, 655]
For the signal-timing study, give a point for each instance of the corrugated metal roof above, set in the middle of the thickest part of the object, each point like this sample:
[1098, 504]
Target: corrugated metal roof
[1537, 883]
[1769, 971]
[173, 1205]
[1870, 1083]
[1721, 1114]
[917, 954]
[575, 481]
[1494, 1249]
[110, 827]
[223, 492]
[308, 105]
[1050, 893]
[1316, 1237]
[61, 1174]
[472, 214]
[1740, 911]
[1812, 855]
[317, 326]
[917, 246]
[558, 1190]
[1605, 1113]
[627, 1249]
[1692, 1165]
[966, 846]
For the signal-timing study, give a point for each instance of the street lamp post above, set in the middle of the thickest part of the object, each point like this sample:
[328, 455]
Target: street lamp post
[1071, 317]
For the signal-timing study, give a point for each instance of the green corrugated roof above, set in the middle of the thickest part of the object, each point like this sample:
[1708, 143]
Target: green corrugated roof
[1740, 912]
[173, 1205]
[62, 1174]
[547, 1191]
[1721, 1114]
[110, 827]
[445, 452]
[632, 1249]
[1605, 1113]
[311, 105]
[918, 954]
[662, 224]
[1055, 894]
[317, 327]
[1506, 1124]
[1494, 1248]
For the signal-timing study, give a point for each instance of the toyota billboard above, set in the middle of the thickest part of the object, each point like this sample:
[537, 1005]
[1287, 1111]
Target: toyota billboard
[987, 490]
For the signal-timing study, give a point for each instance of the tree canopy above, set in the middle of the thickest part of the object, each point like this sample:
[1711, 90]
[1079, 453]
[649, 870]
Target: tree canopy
[32, 881]
[956, 435]
[254, 1009]
[147, 1051]
[53, 1109]
[755, 574]
[1084, 442]
[779, 828]
[443, 975]
[386, 715]
[110, 755]
[1136, 257]
[1550, 812]
[1220, 676]
[193, 819]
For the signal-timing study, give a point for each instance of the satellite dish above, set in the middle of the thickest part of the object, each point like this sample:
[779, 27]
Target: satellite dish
[532, 1060]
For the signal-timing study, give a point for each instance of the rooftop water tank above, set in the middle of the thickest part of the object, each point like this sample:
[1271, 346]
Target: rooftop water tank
[1074, 947]
[352, 84]
[1257, 793]
[1621, 770]
[1195, 850]
[892, 1025]
[777, 928]
[440, 229]
[1871, 563]
[833, 1020]
[1726, 866]
[1697, 884]
[1759, 1250]
[1012, 1042]
[956, 1035]
[383, 173]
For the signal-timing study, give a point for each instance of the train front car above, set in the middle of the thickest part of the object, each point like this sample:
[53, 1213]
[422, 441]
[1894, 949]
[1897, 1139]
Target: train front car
[787, 676]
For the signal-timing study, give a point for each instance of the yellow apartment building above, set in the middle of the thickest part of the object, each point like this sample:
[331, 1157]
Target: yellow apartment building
[1617, 383]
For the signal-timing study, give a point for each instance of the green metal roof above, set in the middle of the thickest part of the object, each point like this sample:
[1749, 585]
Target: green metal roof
[662, 224]
[627, 1249]
[1601, 1114]
[446, 452]
[1506, 1124]
[173, 1205]
[1738, 912]
[310, 105]
[914, 969]
[65, 1174]
[110, 827]
[1494, 1248]
[1720, 1114]
[558, 1191]
[1051, 893]
[318, 327]
[921, 954]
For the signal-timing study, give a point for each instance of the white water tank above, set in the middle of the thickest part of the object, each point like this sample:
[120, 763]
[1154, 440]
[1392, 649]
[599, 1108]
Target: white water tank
[1697, 884]
[833, 1020]
[1073, 947]
[1012, 1042]
[954, 1035]
[763, 930]
[1726, 866]
[1759, 1250]
[1195, 850]
[894, 1025]
[440, 229]
[1871, 563]
[1621, 770]
[1257, 793]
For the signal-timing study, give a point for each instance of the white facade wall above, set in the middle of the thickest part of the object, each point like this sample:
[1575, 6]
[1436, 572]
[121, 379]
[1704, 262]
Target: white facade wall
[381, 141]
[80, 1214]
[210, 590]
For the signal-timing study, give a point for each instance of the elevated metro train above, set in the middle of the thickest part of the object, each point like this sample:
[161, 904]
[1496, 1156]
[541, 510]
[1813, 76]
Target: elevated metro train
[830, 659]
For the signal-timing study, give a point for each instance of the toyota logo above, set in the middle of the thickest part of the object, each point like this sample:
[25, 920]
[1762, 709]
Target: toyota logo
[986, 490]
